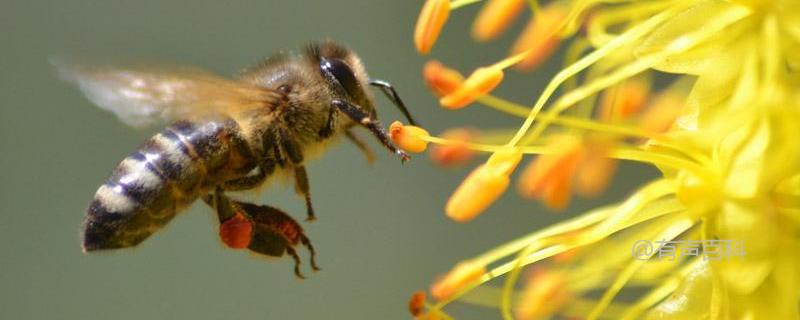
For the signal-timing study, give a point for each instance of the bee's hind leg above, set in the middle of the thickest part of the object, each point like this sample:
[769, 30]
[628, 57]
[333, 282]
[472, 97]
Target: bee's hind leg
[306, 242]
[250, 181]
[260, 229]
[275, 232]
[296, 258]
[222, 205]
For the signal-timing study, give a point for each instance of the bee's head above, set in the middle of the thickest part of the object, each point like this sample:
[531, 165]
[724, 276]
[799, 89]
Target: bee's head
[346, 76]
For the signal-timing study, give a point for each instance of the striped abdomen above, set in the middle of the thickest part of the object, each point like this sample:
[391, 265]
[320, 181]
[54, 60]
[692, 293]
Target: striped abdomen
[167, 173]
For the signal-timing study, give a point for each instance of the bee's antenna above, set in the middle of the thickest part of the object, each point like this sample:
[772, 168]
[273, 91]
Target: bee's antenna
[390, 93]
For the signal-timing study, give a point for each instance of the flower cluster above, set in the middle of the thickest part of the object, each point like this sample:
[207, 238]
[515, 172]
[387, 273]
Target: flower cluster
[720, 132]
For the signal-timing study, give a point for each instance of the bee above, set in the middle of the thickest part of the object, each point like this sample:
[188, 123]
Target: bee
[227, 135]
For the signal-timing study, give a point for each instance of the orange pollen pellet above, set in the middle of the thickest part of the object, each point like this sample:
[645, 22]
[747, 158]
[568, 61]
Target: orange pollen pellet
[442, 80]
[431, 19]
[495, 17]
[236, 231]
[480, 82]
[408, 138]
[461, 275]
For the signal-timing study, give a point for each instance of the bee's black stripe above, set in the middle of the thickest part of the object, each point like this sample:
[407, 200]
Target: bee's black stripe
[169, 171]
[138, 155]
[139, 182]
[183, 147]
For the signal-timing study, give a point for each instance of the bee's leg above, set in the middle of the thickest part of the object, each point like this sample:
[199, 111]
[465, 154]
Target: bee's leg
[292, 150]
[302, 188]
[361, 145]
[304, 240]
[275, 232]
[221, 204]
[236, 227]
[249, 181]
[327, 130]
[390, 93]
[296, 258]
[362, 117]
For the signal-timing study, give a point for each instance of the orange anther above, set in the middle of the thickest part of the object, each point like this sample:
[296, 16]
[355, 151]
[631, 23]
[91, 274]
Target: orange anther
[662, 112]
[544, 294]
[408, 138]
[480, 82]
[461, 275]
[540, 37]
[596, 168]
[429, 24]
[549, 177]
[417, 303]
[483, 186]
[495, 17]
[455, 153]
[441, 79]
[624, 100]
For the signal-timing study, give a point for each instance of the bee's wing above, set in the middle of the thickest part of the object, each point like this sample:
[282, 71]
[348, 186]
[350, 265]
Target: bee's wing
[140, 96]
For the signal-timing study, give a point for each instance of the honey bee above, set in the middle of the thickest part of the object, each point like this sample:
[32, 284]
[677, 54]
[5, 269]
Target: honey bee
[227, 135]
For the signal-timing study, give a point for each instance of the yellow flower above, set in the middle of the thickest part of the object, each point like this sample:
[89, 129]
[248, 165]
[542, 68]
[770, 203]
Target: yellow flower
[722, 136]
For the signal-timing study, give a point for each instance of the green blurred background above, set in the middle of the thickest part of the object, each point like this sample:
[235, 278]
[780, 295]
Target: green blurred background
[381, 233]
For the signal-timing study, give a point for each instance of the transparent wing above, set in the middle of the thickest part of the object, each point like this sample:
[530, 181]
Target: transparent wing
[141, 96]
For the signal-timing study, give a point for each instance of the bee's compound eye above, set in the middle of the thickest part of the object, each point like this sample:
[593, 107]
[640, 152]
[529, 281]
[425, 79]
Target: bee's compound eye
[338, 71]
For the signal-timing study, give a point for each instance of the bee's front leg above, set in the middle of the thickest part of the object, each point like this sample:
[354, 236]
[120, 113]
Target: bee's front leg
[361, 117]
